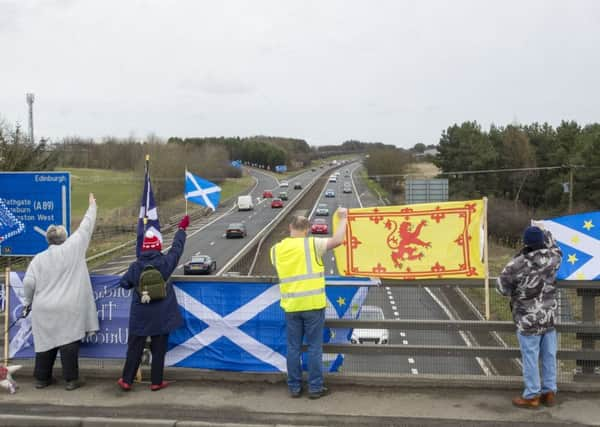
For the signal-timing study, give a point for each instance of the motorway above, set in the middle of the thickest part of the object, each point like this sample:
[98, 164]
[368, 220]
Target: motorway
[397, 303]
[207, 235]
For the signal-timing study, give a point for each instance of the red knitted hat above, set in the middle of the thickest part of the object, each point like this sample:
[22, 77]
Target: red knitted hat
[151, 242]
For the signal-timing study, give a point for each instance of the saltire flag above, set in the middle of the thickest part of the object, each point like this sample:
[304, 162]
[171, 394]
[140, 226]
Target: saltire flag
[201, 191]
[241, 327]
[10, 226]
[578, 236]
[148, 218]
[422, 241]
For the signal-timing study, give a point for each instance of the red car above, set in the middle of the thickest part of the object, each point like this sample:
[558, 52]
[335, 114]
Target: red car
[319, 226]
[267, 194]
[277, 203]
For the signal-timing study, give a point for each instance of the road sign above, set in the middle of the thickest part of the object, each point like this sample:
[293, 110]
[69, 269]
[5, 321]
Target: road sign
[426, 190]
[29, 203]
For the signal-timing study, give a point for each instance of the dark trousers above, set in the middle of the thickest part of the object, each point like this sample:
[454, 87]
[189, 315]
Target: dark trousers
[69, 358]
[135, 349]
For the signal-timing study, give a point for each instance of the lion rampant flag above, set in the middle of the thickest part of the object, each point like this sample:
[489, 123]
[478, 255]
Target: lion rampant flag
[424, 241]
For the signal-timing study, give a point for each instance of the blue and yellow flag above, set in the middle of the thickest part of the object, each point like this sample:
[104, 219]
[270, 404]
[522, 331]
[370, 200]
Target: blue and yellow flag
[424, 241]
[579, 239]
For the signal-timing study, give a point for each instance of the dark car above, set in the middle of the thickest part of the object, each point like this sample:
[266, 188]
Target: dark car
[297, 186]
[236, 229]
[283, 195]
[277, 203]
[200, 264]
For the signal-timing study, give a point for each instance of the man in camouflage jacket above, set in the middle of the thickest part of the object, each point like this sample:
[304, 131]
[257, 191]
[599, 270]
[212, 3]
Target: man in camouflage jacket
[529, 280]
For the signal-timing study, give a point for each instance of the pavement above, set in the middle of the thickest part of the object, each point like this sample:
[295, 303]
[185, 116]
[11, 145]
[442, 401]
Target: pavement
[245, 400]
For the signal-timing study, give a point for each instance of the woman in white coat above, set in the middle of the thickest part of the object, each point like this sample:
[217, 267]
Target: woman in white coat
[59, 292]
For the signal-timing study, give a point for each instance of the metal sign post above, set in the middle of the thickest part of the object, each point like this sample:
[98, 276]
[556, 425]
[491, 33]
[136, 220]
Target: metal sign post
[6, 311]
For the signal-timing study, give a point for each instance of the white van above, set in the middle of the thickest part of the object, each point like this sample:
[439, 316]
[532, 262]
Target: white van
[245, 203]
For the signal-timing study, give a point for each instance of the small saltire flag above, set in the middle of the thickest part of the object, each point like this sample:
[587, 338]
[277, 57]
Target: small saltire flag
[148, 219]
[579, 239]
[429, 240]
[201, 191]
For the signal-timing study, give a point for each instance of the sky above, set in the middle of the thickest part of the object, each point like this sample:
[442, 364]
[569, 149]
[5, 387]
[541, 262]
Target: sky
[398, 72]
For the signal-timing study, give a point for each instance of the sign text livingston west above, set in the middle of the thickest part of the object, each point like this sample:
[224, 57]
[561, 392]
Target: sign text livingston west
[29, 203]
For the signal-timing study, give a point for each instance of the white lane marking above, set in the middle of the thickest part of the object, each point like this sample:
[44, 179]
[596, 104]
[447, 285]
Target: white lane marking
[331, 271]
[396, 314]
[391, 297]
[394, 308]
[224, 235]
[402, 334]
[414, 371]
[333, 258]
[405, 342]
[486, 370]
[212, 243]
[387, 288]
[354, 186]
[411, 360]
[389, 292]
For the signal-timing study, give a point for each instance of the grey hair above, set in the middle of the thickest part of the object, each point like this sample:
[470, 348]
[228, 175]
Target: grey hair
[300, 223]
[56, 234]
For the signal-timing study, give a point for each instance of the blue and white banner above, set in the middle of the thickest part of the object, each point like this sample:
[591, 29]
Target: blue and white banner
[579, 239]
[241, 327]
[148, 218]
[202, 191]
[112, 302]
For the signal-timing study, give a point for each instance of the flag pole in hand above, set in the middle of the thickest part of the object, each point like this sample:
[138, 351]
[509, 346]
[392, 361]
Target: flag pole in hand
[184, 196]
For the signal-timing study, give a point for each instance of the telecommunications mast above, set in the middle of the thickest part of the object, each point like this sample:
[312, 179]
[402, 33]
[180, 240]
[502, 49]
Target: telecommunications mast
[30, 98]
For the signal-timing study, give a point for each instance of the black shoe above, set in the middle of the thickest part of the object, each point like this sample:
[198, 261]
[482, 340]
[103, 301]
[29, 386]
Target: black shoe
[317, 395]
[296, 394]
[73, 385]
[44, 383]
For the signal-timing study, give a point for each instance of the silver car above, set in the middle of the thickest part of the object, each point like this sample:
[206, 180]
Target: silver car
[374, 336]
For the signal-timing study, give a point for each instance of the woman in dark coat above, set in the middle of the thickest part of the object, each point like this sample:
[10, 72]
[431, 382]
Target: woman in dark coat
[156, 318]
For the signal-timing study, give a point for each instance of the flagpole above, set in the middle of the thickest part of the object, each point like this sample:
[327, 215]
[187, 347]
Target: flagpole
[146, 176]
[186, 201]
[6, 311]
[485, 259]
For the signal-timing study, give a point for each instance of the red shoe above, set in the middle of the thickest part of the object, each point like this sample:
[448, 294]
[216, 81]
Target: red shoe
[124, 386]
[156, 387]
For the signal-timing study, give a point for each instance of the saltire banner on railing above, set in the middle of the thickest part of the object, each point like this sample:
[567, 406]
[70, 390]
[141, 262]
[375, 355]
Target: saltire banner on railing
[423, 241]
[228, 326]
[240, 326]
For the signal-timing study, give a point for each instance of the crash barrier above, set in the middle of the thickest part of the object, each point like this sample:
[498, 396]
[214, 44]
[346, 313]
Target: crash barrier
[422, 329]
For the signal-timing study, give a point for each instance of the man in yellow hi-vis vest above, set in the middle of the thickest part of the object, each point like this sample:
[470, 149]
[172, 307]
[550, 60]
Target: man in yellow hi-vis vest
[299, 265]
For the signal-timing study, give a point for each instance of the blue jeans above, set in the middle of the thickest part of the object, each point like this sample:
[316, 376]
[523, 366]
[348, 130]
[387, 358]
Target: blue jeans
[307, 324]
[533, 349]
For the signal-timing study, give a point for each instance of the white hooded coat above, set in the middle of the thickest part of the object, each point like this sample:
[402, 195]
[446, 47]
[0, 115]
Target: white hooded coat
[57, 284]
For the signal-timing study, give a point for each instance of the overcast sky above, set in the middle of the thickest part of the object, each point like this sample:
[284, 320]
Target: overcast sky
[393, 71]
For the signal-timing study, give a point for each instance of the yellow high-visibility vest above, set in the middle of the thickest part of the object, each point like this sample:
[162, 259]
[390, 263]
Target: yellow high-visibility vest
[301, 274]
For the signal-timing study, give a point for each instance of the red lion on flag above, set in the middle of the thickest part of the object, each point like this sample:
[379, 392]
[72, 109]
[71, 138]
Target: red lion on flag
[403, 245]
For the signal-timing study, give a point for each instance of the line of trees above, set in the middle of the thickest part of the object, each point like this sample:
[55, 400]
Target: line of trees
[265, 151]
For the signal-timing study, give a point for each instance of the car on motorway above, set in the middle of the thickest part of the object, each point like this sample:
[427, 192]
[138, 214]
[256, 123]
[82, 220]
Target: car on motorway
[235, 229]
[347, 187]
[322, 209]
[283, 195]
[245, 203]
[374, 336]
[284, 184]
[200, 264]
[297, 186]
[313, 169]
[333, 178]
[267, 194]
[346, 172]
[319, 226]
[329, 193]
[277, 203]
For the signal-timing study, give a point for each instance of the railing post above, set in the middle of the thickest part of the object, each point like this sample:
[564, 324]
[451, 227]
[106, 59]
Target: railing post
[588, 341]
